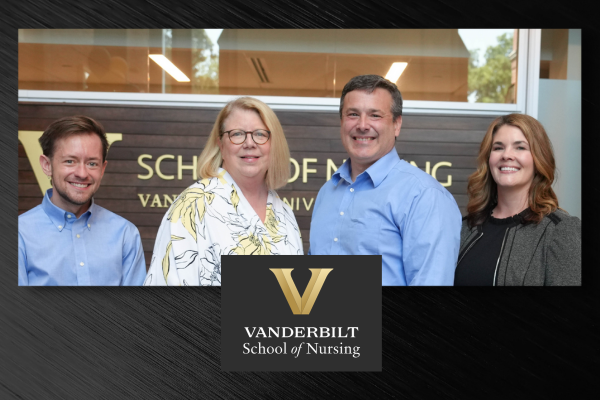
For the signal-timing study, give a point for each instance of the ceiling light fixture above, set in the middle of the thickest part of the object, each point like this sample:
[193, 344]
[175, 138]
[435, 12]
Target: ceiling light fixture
[169, 67]
[395, 71]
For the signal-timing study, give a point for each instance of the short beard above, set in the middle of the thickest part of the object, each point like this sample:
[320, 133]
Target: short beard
[67, 198]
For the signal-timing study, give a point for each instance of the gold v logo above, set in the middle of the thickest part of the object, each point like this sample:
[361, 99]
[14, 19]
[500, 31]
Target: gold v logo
[301, 305]
[31, 144]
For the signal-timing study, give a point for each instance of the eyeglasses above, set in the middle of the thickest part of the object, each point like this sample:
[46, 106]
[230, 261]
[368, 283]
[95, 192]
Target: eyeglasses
[238, 136]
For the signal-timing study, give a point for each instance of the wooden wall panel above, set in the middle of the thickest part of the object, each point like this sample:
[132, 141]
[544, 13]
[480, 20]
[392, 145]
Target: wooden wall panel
[183, 132]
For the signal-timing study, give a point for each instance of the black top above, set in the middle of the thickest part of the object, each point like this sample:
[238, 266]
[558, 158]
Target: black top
[478, 265]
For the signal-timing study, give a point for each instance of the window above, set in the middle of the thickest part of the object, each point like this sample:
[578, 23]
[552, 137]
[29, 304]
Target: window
[449, 69]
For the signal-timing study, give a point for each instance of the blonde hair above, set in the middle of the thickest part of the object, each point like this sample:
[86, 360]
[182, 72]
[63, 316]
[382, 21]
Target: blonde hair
[482, 189]
[210, 159]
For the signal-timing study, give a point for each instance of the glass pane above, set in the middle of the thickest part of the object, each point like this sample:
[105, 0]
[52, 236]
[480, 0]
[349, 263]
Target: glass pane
[560, 105]
[434, 64]
[560, 56]
[492, 64]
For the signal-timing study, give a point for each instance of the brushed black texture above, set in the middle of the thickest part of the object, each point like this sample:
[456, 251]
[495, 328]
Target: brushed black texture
[163, 343]
[296, 14]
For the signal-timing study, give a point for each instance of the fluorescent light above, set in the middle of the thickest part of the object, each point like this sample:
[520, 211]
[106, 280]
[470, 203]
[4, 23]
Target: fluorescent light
[395, 71]
[169, 67]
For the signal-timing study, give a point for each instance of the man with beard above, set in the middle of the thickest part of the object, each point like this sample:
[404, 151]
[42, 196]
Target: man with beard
[68, 240]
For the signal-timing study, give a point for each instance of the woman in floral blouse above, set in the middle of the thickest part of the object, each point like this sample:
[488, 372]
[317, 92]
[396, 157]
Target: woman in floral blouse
[233, 209]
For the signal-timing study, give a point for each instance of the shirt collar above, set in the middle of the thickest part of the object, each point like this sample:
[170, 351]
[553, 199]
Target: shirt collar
[58, 216]
[377, 172]
[342, 172]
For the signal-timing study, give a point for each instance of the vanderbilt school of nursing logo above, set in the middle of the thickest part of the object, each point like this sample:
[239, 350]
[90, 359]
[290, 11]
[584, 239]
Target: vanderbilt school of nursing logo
[334, 323]
[301, 305]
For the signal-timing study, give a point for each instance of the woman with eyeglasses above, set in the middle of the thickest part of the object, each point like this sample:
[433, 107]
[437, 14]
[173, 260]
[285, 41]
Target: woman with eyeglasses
[514, 233]
[233, 209]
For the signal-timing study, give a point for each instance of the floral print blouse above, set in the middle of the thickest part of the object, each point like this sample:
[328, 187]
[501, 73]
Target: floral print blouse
[212, 218]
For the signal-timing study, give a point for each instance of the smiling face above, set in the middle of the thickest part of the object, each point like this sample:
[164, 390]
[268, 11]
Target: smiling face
[510, 161]
[76, 169]
[368, 128]
[246, 162]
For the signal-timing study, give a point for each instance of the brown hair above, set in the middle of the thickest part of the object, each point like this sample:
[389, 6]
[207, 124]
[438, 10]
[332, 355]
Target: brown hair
[482, 189]
[369, 83]
[68, 126]
[278, 173]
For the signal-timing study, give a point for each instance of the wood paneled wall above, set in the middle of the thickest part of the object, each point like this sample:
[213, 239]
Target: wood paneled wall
[184, 131]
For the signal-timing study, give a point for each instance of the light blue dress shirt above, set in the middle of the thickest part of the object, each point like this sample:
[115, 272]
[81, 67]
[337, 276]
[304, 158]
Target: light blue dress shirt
[99, 248]
[393, 209]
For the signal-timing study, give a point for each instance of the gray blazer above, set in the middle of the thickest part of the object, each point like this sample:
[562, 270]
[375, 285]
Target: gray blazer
[544, 254]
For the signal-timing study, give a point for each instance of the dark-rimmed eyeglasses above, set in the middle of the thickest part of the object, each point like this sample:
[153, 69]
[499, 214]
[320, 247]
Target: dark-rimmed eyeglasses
[238, 136]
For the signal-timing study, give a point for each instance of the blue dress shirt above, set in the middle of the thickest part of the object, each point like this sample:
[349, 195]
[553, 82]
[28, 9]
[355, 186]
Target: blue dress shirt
[99, 248]
[393, 209]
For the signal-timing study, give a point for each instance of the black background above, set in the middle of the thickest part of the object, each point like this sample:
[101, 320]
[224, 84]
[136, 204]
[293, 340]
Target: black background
[162, 343]
[350, 297]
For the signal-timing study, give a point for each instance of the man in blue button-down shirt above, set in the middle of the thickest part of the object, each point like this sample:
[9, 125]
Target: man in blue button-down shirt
[376, 203]
[68, 239]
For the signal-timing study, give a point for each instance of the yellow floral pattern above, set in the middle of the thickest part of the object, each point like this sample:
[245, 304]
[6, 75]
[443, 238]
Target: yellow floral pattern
[193, 201]
[235, 199]
[212, 218]
[272, 224]
[252, 245]
[166, 263]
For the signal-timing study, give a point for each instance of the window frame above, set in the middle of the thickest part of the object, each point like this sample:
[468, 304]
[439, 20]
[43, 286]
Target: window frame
[527, 93]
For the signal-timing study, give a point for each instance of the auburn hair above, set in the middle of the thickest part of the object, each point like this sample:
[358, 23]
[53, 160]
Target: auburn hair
[482, 189]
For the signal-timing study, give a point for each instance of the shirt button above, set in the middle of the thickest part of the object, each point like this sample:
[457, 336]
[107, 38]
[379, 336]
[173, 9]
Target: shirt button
[89, 226]
[342, 213]
[68, 215]
[81, 264]
[78, 235]
[352, 189]
[60, 227]
[335, 239]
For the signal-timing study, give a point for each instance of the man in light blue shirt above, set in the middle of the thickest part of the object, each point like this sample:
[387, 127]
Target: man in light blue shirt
[376, 203]
[68, 240]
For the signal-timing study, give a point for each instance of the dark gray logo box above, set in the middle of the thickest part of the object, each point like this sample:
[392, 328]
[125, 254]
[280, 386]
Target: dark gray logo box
[252, 297]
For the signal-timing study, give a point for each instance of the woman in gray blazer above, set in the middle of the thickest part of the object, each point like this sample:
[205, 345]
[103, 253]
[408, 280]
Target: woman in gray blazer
[514, 233]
